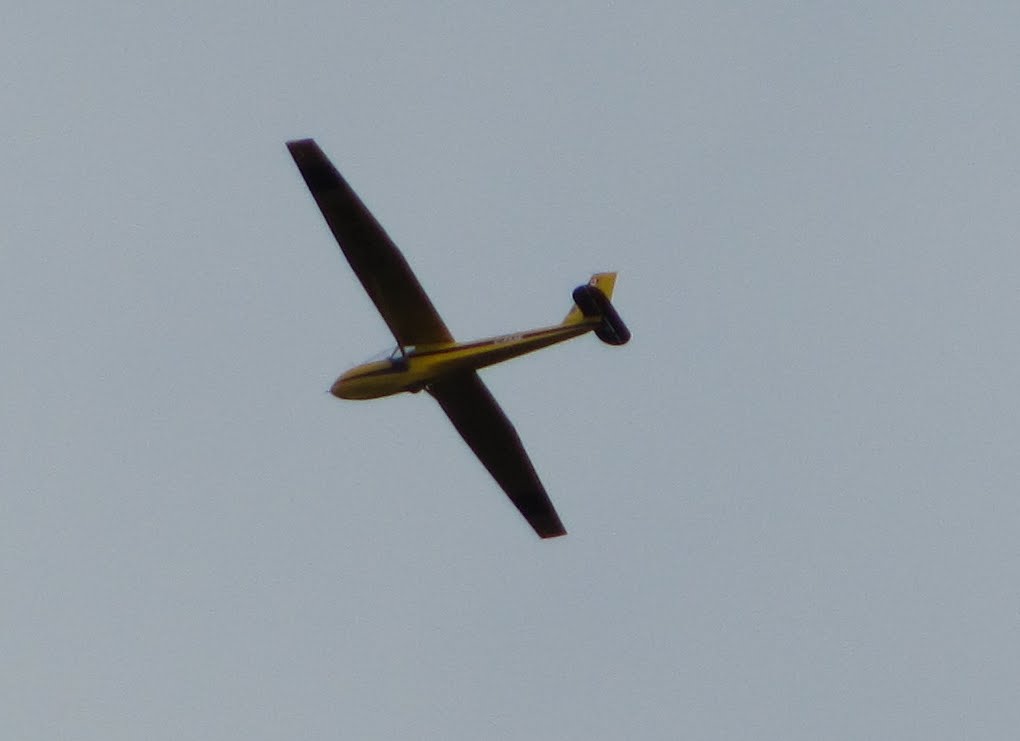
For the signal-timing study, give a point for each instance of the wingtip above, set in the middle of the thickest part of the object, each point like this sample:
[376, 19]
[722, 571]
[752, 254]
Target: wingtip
[550, 535]
[319, 173]
[548, 526]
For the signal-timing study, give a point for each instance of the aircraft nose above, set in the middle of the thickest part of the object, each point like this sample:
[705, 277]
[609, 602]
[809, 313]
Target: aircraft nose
[337, 389]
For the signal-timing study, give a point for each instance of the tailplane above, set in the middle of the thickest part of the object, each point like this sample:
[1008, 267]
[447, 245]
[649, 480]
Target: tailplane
[605, 283]
[593, 300]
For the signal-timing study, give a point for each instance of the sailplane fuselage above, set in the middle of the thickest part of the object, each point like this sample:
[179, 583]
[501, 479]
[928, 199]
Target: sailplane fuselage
[415, 368]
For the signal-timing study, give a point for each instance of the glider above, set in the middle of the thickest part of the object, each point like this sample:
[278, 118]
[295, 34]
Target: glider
[427, 357]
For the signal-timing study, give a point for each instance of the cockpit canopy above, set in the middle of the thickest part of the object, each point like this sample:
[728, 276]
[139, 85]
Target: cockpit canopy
[393, 354]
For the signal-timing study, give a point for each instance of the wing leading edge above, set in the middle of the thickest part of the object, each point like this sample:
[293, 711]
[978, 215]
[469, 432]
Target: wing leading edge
[376, 261]
[487, 431]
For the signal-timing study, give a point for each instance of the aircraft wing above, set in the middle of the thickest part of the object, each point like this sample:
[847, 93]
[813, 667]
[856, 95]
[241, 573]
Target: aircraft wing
[376, 261]
[486, 429]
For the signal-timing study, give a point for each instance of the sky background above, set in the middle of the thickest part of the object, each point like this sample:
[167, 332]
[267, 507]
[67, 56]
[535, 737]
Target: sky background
[792, 498]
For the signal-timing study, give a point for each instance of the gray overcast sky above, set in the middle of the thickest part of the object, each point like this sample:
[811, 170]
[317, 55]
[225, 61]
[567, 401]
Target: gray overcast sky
[792, 499]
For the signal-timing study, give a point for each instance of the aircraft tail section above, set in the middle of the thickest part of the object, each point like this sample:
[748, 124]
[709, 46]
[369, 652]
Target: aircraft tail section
[605, 283]
[593, 300]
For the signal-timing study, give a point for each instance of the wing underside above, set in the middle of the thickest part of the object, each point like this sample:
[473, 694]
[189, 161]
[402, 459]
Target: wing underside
[487, 431]
[376, 261]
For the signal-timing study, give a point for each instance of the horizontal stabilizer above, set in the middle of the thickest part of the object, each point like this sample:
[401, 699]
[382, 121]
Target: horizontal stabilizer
[605, 282]
[593, 303]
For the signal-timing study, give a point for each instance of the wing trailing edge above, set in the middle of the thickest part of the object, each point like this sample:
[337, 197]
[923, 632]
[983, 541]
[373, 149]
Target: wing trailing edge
[374, 257]
[490, 434]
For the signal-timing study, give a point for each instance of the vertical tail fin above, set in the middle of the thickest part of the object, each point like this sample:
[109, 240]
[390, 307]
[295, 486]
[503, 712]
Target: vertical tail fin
[605, 283]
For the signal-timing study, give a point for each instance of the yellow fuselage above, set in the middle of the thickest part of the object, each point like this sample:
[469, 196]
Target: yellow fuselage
[420, 366]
